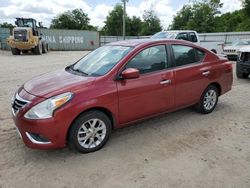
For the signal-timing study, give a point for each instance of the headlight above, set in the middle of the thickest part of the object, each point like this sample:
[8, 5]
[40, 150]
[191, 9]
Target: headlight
[46, 108]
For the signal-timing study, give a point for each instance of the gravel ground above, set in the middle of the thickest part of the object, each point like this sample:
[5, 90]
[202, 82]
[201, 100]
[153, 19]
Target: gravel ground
[180, 149]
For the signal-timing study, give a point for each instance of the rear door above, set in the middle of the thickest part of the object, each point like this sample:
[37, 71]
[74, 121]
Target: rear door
[191, 74]
[152, 92]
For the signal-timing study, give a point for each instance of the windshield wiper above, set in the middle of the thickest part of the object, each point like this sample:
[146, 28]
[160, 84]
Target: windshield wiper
[79, 71]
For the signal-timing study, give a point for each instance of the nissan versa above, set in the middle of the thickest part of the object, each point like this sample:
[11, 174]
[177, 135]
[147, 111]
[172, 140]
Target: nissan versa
[115, 85]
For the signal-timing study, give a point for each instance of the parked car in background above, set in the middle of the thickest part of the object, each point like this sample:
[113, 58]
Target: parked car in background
[115, 85]
[243, 62]
[232, 51]
[187, 35]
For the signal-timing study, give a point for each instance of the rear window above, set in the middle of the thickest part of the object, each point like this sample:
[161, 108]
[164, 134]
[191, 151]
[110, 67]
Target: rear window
[182, 36]
[193, 37]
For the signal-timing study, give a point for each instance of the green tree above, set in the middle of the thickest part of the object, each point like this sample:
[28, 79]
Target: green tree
[199, 16]
[181, 18]
[75, 19]
[134, 26]
[113, 23]
[7, 25]
[246, 7]
[232, 21]
[151, 23]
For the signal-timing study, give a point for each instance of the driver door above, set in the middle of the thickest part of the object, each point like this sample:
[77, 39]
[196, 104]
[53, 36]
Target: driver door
[152, 92]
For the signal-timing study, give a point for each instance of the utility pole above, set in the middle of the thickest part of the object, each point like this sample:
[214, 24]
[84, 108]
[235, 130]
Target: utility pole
[124, 19]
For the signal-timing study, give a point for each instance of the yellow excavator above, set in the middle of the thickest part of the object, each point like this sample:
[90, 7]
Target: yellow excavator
[26, 37]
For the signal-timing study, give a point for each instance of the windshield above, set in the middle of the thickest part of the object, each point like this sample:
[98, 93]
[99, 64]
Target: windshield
[164, 34]
[101, 60]
[241, 43]
[25, 23]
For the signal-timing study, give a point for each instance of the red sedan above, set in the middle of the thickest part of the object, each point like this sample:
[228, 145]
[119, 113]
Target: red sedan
[116, 85]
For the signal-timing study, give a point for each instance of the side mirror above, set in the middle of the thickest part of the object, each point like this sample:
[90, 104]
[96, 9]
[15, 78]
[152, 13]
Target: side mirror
[130, 73]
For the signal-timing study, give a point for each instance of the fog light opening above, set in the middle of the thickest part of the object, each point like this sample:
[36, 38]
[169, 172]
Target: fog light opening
[37, 138]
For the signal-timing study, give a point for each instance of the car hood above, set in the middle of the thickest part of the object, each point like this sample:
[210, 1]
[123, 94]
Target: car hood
[245, 49]
[57, 82]
[232, 47]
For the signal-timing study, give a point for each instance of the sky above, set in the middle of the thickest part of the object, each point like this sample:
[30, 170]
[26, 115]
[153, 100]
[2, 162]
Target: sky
[46, 10]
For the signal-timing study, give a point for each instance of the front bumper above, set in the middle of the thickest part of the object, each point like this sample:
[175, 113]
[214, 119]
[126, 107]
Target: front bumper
[49, 129]
[21, 45]
[44, 133]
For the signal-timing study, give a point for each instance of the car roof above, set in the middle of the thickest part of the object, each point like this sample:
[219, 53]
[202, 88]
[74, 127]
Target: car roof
[178, 31]
[137, 42]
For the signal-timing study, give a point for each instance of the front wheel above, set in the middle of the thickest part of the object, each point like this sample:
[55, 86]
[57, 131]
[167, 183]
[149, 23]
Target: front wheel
[89, 132]
[38, 48]
[208, 100]
[44, 47]
[15, 51]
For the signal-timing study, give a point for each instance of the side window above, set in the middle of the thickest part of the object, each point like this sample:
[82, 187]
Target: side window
[193, 37]
[200, 55]
[184, 55]
[150, 59]
[182, 36]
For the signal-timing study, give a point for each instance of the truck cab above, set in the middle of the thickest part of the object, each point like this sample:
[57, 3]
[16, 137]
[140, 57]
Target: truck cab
[188, 35]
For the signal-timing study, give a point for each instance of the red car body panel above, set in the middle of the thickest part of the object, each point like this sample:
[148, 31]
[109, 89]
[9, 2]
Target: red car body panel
[126, 100]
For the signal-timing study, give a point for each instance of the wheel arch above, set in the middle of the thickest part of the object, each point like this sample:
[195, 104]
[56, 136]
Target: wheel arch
[107, 112]
[216, 84]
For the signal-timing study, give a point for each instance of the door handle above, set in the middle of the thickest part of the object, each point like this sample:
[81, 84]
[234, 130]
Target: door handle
[205, 73]
[165, 82]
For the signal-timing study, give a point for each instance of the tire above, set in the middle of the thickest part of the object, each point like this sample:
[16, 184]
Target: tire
[15, 51]
[240, 74]
[38, 49]
[83, 132]
[208, 100]
[44, 48]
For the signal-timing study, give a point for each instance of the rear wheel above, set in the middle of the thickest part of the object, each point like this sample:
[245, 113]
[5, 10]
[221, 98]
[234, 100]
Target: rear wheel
[45, 47]
[15, 51]
[38, 48]
[89, 132]
[208, 100]
[240, 74]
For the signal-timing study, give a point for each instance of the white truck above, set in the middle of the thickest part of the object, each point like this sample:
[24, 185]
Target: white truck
[191, 36]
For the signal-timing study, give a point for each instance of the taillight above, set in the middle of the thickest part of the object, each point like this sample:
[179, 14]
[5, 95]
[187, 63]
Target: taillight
[229, 66]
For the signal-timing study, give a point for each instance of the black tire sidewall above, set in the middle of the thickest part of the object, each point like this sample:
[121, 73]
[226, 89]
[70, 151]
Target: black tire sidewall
[211, 87]
[73, 142]
[15, 51]
[200, 106]
[44, 47]
[38, 49]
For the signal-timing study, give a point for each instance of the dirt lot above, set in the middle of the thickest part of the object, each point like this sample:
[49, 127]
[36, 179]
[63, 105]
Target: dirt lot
[180, 149]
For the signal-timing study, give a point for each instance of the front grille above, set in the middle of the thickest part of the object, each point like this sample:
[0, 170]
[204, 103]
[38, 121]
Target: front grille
[230, 50]
[18, 103]
[20, 35]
